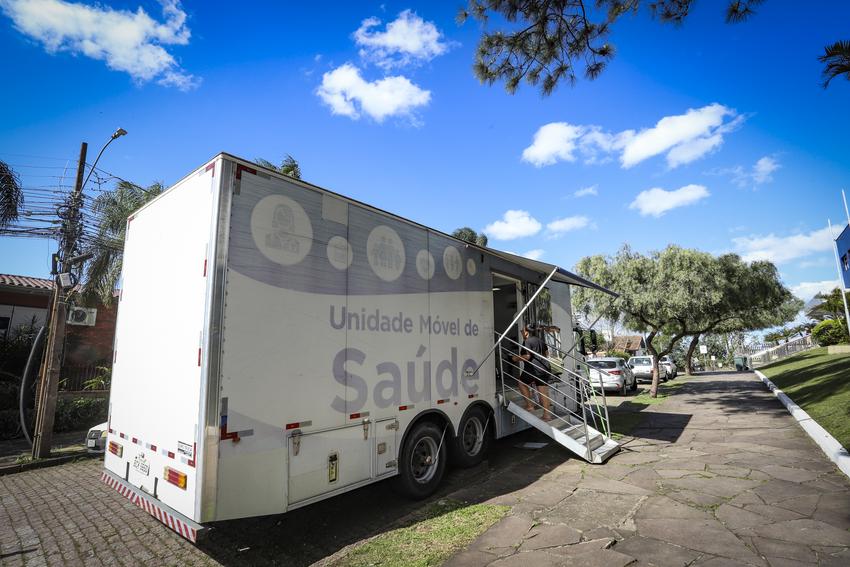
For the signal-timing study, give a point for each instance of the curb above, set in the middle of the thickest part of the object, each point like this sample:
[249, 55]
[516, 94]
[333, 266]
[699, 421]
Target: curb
[44, 463]
[828, 444]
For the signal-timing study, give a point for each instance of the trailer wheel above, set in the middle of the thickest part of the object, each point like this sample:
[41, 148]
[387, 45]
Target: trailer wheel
[422, 461]
[473, 440]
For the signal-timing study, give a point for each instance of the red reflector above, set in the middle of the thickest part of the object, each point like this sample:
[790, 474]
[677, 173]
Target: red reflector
[135, 441]
[170, 455]
[116, 449]
[442, 401]
[354, 416]
[402, 408]
[199, 356]
[175, 477]
[205, 267]
[472, 396]
[292, 426]
[153, 447]
[122, 436]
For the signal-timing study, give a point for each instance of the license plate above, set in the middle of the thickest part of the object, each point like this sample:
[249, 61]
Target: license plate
[91, 443]
[141, 465]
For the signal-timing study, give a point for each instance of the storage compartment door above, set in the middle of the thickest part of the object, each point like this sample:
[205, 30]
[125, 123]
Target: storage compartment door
[386, 460]
[327, 461]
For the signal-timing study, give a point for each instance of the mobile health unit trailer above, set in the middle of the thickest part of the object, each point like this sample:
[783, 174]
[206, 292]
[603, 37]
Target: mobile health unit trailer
[278, 344]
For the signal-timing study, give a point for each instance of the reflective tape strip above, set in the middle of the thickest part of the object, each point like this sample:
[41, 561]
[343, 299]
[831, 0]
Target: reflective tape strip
[185, 530]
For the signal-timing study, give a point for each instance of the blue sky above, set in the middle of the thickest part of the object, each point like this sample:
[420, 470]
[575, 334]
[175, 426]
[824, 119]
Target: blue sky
[708, 135]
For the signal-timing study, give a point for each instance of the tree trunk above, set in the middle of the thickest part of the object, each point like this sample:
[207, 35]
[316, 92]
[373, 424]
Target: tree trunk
[653, 389]
[689, 366]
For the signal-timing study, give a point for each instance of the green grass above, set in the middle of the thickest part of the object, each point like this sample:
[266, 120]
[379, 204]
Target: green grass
[443, 529]
[820, 384]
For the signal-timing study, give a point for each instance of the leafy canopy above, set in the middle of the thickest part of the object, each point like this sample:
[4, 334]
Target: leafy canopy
[550, 41]
[469, 235]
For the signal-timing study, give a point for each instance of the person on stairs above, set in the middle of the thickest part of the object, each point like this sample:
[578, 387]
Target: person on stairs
[535, 371]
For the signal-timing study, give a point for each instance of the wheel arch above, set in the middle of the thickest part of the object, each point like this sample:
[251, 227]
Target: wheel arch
[488, 410]
[433, 415]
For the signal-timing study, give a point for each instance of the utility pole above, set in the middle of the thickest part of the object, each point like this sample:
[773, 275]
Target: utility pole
[48, 389]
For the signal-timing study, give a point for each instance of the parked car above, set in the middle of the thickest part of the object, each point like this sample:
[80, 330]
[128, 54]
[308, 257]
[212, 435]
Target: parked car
[96, 438]
[669, 365]
[642, 368]
[613, 374]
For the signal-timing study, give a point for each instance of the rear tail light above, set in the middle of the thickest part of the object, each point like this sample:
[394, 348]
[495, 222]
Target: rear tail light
[116, 449]
[175, 477]
[615, 372]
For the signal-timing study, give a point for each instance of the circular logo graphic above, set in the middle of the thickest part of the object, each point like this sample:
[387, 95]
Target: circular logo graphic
[385, 252]
[281, 229]
[452, 262]
[471, 268]
[425, 264]
[340, 254]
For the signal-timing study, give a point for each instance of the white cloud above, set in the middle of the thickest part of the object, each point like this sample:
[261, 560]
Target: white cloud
[656, 201]
[779, 249]
[560, 227]
[553, 142]
[407, 39]
[587, 191]
[807, 290]
[763, 170]
[760, 173]
[347, 93]
[535, 254]
[514, 224]
[127, 41]
[683, 138]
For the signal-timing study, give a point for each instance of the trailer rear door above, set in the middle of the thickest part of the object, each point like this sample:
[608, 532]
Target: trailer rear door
[154, 439]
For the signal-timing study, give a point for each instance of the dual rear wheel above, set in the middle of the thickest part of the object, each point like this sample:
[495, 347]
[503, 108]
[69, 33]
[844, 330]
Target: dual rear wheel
[423, 458]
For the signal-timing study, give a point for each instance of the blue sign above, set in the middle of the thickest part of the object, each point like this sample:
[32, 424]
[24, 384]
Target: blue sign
[842, 243]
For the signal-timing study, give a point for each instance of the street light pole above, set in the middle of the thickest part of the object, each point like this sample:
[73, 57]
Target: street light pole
[48, 388]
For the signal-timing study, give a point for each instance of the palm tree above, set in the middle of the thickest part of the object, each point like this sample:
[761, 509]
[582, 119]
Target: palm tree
[836, 57]
[288, 166]
[107, 245]
[469, 235]
[11, 195]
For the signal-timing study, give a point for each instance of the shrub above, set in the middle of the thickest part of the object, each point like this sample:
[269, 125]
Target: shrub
[830, 332]
[74, 414]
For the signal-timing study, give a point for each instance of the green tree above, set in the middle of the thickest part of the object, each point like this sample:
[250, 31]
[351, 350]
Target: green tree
[469, 235]
[550, 41]
[656, 292]
[112, 208]
[11, 195]
[836, 60]
[288, 166]
[828, 305]
[752, 297]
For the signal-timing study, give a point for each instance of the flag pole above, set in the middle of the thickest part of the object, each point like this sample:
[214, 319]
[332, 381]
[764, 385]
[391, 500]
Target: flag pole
[840, 276]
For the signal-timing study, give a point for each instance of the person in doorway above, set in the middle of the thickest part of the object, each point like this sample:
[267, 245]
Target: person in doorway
[535, 371]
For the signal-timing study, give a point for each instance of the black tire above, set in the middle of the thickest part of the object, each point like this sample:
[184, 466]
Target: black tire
[473, 438]
[634, 384]
[418, 474]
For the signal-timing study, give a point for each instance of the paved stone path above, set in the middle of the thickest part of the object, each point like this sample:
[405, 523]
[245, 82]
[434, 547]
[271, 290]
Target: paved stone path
[719, 474]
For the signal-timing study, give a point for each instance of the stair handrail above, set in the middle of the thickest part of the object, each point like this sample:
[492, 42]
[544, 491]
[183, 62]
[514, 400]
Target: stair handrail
[583, 381]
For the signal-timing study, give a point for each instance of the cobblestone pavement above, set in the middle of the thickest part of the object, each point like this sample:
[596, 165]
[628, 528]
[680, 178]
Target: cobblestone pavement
[719, 474]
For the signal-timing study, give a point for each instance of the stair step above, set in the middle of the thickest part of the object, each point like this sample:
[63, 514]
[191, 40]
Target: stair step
[573, 430]
[596, 440]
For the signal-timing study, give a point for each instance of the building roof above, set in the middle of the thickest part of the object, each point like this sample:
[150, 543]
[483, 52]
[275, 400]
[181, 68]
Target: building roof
[26, 283]
[628, 342]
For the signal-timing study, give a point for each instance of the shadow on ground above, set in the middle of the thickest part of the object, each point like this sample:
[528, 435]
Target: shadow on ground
[303, 536]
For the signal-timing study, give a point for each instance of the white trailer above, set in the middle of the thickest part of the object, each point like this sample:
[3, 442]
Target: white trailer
[278, 344]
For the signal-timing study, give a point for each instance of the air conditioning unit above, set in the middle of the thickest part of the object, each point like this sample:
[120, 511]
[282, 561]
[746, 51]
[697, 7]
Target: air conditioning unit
[85, 316]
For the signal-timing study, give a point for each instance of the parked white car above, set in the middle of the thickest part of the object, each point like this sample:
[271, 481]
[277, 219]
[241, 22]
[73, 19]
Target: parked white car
[642, 368]
[670, 366]
[613, 374]
[96, 438]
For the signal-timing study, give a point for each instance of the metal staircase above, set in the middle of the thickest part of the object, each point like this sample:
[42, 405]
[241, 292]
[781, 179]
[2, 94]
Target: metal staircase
[577, 417]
